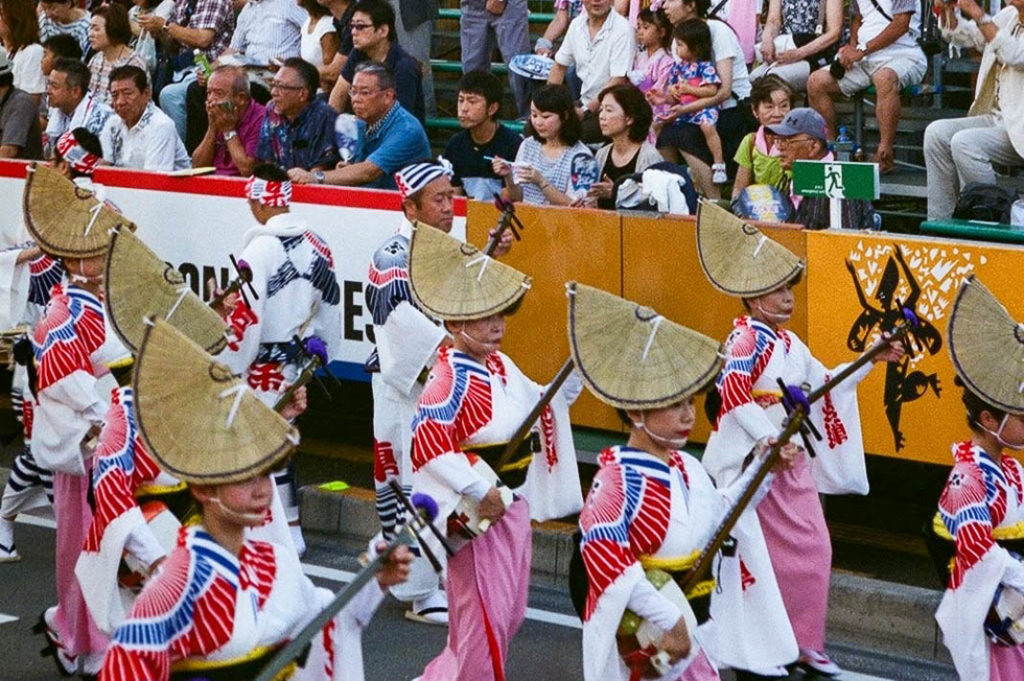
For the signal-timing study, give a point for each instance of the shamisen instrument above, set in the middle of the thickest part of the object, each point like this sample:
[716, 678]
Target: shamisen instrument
[425, 511]
[798, 407]
[242, 280]
[506, 221]
[314, 356]
[1004, 624]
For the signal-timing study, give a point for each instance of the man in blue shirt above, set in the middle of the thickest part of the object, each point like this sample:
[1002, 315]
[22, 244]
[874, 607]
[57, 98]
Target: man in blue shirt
[298, 129]
[394, 138]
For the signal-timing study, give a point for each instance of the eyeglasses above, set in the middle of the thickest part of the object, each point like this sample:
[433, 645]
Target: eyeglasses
[363, 93]
[354, 27]
[786, 141]
[275, 85]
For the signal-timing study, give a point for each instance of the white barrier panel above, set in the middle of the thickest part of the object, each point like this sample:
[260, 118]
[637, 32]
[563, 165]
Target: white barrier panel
[196, 223]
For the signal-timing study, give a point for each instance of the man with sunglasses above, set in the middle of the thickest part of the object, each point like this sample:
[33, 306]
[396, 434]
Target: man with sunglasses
[298, 128]
[374, 38]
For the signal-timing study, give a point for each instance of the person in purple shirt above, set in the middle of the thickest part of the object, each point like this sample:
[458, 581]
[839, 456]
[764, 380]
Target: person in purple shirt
[298, 128]
[374, 39]
[230, 142]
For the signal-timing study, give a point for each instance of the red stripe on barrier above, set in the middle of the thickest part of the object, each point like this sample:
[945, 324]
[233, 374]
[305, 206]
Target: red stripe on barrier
[351, 197]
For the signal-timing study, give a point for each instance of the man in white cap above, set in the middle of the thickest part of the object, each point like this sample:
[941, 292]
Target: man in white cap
[296, 295]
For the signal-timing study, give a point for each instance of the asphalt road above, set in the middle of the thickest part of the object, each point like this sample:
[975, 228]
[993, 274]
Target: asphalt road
[547, 647]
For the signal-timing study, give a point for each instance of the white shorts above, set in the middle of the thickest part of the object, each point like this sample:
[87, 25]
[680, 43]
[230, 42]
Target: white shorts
[909, 64]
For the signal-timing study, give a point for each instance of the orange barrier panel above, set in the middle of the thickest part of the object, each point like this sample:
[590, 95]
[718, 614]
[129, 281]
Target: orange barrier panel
[911, 410]
[661, 269]
[559, 245]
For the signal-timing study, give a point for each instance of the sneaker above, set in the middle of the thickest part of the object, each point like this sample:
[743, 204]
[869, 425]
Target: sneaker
[67, 665]
[818, 662]
[430, 610]
[718, 174]
[9, 554]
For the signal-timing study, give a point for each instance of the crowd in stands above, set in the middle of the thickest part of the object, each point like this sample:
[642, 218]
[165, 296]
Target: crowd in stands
[339, 91]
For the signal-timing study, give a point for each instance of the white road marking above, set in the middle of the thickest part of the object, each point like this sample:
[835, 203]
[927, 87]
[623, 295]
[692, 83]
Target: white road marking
[37, 521]
[4, 618]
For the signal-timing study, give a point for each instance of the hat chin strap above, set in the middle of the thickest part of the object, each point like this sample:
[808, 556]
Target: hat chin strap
[488, 347]
[774, 316]
[248, 519]
[998, 435]
[667, 442]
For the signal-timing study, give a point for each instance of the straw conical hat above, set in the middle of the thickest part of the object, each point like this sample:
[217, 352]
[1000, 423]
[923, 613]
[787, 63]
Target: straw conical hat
[737, 258]
[202, 424]
[456, 282]
[64, 219]
[633, 358]
[987, 347]
[140, 285]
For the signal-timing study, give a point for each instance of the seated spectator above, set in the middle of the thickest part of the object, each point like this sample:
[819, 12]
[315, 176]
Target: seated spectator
[144, 43]
[19, 33]
[734, 119]
[625, 119]
[394, 138]
[482, 137]
[757, 158]
[64, 16]
[802, 137]
[298, 128]
[552, 166]
[341, 12]
[141, 135]
[266, 30]
[60, 45]
[72, 105]
[506, 22]
[601, 45]
[565, 12]
[20, 136]
[319, 43]
[882, 52]
[206, 25]
[233, 134]
[373, 38]
[76, 154]
[962, 150]
[109, 35]
[792, 42]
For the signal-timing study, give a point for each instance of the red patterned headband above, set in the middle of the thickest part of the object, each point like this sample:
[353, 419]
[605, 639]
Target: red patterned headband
[76, 155]
[269, 193]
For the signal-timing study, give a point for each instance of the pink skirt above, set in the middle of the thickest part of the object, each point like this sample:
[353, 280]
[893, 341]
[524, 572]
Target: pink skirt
[800, 549]
[488, 584]
[77, 631]
[700, 669]
[1006, 663]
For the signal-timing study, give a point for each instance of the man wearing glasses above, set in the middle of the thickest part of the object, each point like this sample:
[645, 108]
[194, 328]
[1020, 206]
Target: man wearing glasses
[394, 138]
[298, 129]
[802, 137]
[374, 39]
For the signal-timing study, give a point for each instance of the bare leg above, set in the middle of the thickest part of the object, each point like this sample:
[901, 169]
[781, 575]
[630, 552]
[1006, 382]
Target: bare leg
[701, 174]
[714, 142]
[821, 88]
[887, 111]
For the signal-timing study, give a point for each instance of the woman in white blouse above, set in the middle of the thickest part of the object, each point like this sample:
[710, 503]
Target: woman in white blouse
[320, 43]
[19, 34]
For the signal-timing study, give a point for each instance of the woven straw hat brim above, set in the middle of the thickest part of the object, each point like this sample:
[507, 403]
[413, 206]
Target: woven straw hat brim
[139, 285]
[63, 218]
[987, 347]
[632, 358]
[456, 282]
[183, 401]
[737, 258]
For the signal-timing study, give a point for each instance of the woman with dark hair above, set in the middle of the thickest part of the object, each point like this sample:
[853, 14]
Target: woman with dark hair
[735, 119]
[625, 118]
[110, 32]
[320, 43]
[19, 34]
[553, 166]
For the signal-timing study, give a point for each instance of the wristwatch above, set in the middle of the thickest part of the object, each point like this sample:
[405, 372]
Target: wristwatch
[863, 47]
[230, 135]
[985, 19]
[319, 176]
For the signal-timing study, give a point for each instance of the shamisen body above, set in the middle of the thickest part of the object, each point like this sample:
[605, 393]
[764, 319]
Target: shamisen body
[981, 509]
[742, 262]
[222, 602]
[651, 508]
[476, 396]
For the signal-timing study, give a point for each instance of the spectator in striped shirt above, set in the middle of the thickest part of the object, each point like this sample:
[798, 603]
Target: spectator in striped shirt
[63, 16]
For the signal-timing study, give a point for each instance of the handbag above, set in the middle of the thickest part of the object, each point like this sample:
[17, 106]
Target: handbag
[791, 41]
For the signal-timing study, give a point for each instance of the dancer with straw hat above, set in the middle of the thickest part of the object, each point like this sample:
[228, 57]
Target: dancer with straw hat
[295, 295]
[981, 510]
[27, 275]
[742, 262]
[73, 350]
[651, 507]
[476, 396]
[223, 602]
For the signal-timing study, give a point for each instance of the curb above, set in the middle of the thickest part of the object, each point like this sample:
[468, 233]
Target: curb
[885, 617]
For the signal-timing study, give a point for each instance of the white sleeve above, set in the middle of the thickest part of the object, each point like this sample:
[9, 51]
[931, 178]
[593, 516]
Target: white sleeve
[160, 149]
[645, 601]
[565, 55]
[143, 545]
[454, 471]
